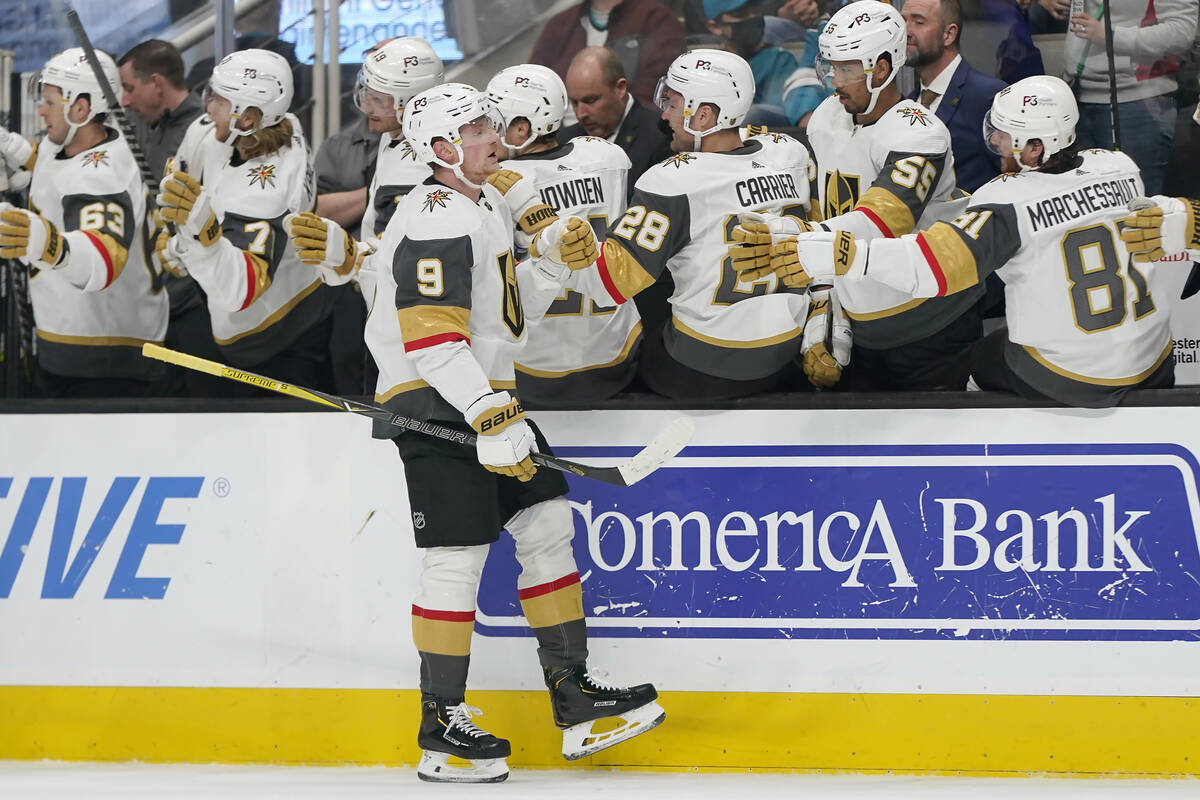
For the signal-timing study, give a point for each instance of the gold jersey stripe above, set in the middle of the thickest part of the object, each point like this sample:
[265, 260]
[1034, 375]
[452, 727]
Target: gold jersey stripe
[869, 316]
[422, 322]
[554, 608]
[893, 211]
[271, 320]
[94, 341]
[258, 278]
[442, 636]
[400, 388]
[624, 354]
[115, 253]
[627, 276]
[1131, 380]
[740, 345]
[954, 258]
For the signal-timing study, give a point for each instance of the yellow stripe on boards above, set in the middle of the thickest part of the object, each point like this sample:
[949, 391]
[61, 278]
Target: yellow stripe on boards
[978, 734]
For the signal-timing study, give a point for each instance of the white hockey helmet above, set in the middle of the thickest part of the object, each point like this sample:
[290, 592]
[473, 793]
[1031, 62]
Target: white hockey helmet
[70, 72]
[1039, 107]
[440, 113]
[717, 77]
[862, 32]
[531, 92]
[253, 79]
[401, 68]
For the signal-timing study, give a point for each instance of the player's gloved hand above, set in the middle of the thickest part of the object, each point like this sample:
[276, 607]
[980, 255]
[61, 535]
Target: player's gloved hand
[825, 346]
[31, 238]
[183, 201]
[819, 256]
[324, 245]
[566, 242]
[16, 150]
[164, 258]
[505, 438]
[753, 237]
[1160, 226]
[528, 211]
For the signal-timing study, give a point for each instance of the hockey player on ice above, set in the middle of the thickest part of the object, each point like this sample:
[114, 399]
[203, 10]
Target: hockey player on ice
[1084, 325]
[884, 168]
[584, 348]
[446, 273]
[95, 299]
[726, 337]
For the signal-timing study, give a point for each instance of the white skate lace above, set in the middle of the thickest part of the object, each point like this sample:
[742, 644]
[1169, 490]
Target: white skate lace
[600, 681]
[460, 719]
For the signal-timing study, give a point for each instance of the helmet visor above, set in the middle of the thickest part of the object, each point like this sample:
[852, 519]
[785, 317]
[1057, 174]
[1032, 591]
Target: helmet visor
[373, 102]
[998, 141]
[843, 71]
[662, 94]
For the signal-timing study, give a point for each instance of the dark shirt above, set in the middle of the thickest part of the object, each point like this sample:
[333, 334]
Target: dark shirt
[161, 140]
[346, 161]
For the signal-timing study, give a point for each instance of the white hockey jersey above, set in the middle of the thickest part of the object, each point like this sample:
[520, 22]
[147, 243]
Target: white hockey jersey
[445, 273]
[681, 218]
[94, 313]
[890, 178]
[585, 347]
[1084, 323]
[397, 171]
[260, 296]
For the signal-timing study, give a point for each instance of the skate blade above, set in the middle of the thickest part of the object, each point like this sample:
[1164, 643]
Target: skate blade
[436, 767]
[580, 741]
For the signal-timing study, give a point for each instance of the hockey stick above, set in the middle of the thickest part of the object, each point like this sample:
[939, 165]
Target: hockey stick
[669, 441]
[114, 104]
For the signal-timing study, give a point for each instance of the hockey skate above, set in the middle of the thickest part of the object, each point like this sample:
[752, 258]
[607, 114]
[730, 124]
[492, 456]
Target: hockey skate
[580, 701]
[447, 732]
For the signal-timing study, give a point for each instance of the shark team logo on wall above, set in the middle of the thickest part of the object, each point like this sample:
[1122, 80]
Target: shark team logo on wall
[262, 175]
[1034, 542]
[94, 158]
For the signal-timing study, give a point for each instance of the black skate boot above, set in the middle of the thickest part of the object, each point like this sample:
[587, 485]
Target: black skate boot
[447, 730]
[580, 700]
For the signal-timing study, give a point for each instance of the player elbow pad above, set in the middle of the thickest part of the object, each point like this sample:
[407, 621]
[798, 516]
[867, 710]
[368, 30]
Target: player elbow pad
[900, 265]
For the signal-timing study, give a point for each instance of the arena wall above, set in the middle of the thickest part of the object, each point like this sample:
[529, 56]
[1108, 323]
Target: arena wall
[983, 590]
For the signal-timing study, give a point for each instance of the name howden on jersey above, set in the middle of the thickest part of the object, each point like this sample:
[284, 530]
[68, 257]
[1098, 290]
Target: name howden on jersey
[1092, 538]
[1081, 202]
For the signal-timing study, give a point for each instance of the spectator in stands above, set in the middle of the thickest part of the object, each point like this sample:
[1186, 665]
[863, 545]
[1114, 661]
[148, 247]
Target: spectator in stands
[600, 96]
[152, 87]
[1146, 36]
[644, 34]
[956, 92]
[792, 22]
[778, 100]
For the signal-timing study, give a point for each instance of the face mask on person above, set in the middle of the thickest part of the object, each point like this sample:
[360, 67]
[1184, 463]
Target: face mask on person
[747, 34]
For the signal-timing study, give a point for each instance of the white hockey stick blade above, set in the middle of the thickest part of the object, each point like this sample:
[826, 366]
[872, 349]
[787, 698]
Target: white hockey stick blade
[669, 441]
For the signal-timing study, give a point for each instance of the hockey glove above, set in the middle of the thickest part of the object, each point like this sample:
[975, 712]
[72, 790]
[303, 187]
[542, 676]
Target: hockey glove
[819, 256]
[753, 238]
[166, 261]
[17, 151]
[325, 246]
[566, 242]
[826, 343]
[529, 213]
[183, 201]
[1160, 226]
[505, 438]
[31, 238]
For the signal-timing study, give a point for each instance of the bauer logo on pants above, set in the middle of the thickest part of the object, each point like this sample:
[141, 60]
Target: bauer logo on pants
[1034, 541]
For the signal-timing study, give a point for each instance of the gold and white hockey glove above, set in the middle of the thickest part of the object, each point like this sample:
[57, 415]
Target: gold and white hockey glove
[753, 239]
[18, 152]
[165, 259]
[31, 238]
[566, 242]
[182, 200]
[505, 438]
[1160, 226]
[325, 246]
[818, 256]
[529, 213]
[827, 339]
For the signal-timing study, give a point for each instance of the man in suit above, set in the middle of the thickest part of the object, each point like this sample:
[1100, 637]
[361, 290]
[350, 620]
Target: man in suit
[957, 93]
[599, 95]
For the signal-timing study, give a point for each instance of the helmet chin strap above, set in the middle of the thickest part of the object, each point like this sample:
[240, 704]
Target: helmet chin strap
[456, 168]
[876, 91]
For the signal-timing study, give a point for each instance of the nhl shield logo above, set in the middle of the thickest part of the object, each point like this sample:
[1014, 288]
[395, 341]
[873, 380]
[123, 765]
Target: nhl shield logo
[418, 519]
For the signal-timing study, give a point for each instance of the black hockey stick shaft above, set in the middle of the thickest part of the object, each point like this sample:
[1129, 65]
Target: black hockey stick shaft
[113, 102]
[605, 474]
[1113, 105]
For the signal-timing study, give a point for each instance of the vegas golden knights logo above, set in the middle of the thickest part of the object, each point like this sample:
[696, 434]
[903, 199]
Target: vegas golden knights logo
[514, 317]
[841, 193]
